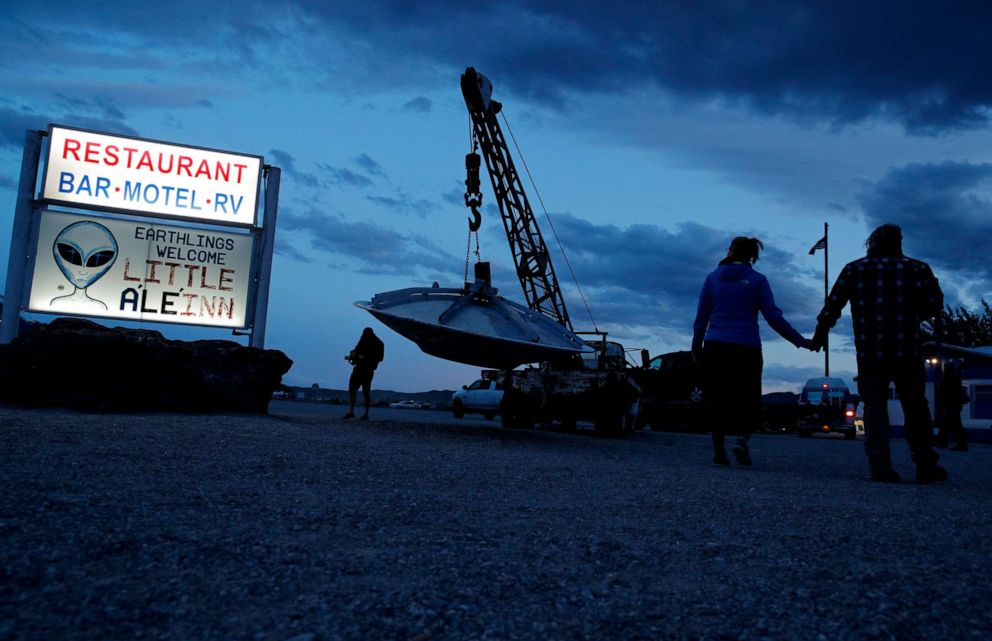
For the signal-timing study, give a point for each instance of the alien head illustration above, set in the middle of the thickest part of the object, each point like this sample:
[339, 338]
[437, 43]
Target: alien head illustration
[84, 251]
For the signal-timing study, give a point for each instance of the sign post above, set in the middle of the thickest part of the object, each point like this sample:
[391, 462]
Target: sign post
[273, 175]
[20, 237]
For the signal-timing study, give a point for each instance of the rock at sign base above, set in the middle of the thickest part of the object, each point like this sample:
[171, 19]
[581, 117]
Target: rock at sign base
[80, 364]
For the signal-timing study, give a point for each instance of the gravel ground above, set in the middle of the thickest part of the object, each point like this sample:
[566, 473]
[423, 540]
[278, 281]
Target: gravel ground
[159, 526]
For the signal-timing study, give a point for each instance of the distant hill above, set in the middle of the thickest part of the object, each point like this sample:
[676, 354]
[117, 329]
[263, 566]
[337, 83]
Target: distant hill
[780, 398]
[440, 399]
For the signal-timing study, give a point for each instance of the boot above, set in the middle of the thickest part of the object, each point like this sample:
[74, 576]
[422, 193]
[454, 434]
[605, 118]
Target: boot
[880, 465]
[885, 476]
[932, 473]
[741, 452]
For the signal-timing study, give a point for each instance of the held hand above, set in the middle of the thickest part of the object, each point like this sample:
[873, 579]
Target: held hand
[819, 338]
[811, 345]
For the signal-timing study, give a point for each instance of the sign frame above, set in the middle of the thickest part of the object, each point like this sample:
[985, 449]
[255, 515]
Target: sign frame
[46, 158]
[26, 231]
[249, 311]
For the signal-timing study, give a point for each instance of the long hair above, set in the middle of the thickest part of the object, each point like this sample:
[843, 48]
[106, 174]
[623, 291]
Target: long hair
[885, 242]
[744, 249]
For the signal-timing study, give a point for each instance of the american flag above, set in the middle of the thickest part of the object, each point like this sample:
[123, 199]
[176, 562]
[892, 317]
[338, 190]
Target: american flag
[820, 244]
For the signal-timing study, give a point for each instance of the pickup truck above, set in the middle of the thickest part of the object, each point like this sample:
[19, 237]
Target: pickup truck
[482, 396]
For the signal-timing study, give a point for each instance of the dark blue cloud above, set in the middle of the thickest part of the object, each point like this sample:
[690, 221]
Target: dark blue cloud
[454, 197]
[785, 376]
[344, 176]
[287, 163]
[919, 63]
[15, 123]
[370, 165]
[100, 124]
[944, 210]
[289, 250]
[650, 276]
[374, 248]
[106, 107]
[402, 203]
[419, 104]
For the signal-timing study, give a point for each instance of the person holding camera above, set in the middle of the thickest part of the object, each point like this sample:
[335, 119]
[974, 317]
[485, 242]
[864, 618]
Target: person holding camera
[365, 358]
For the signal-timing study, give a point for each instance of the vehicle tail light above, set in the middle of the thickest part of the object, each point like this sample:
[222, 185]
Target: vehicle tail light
[849, 413]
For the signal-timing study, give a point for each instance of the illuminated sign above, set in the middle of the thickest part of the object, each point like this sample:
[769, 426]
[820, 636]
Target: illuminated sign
[90, 169]
[114, 268]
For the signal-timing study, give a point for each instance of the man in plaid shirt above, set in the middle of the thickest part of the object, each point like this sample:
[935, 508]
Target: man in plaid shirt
[890, 295]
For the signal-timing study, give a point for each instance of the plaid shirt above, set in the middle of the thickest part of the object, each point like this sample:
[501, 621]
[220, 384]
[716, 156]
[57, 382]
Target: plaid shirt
[889, 299]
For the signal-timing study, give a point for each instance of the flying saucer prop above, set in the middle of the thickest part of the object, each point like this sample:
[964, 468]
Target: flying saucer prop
[473, 325]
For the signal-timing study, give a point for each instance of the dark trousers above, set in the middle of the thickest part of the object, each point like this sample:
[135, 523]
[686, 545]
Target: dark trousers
[873, 385]
[731, 390]
[950, 425]
[361, 377]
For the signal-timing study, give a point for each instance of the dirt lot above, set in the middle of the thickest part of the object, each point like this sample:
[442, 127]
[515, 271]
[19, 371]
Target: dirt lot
[308, 528]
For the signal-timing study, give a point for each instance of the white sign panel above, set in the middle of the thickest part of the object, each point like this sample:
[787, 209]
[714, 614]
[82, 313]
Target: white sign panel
[111, 268]
[90, 169]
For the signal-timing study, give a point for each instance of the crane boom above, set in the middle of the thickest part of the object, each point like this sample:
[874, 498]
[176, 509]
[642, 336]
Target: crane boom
[530, 253]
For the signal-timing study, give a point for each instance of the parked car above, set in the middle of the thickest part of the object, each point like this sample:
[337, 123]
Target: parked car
[410, 405]
[671, 393]
[779, 412]
[482, 396]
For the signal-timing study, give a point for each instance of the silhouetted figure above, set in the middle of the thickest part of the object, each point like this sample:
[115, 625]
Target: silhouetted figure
[366, 356]
[890, 295]
[953, 398]
[727, 344]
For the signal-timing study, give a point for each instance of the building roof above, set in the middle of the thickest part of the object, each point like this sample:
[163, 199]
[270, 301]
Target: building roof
[983, 352]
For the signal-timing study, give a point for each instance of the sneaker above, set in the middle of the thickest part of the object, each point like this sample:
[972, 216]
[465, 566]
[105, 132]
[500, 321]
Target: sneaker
[741, 452]
[349, 415]
[364, 417]
[885, 476]
[721, 460]
[931, 474]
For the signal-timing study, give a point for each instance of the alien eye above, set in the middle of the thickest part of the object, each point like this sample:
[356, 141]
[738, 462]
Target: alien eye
[69, 254]
[100, 258]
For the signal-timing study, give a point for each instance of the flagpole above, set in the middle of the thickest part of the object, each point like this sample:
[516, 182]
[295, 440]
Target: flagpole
[826, 287]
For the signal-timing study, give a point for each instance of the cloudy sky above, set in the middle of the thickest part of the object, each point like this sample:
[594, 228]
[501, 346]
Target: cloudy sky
[655, 133]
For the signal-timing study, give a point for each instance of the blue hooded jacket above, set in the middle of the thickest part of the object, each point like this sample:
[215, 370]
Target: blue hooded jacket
[732, 296]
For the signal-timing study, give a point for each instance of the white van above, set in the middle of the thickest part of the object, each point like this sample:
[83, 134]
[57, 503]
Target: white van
[827, 407]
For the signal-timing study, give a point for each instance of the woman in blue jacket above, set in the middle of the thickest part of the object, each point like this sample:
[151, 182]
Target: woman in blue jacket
[726, 342]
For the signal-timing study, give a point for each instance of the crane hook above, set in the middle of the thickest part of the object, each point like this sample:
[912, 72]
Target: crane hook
[475, 222]
[473, 197]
